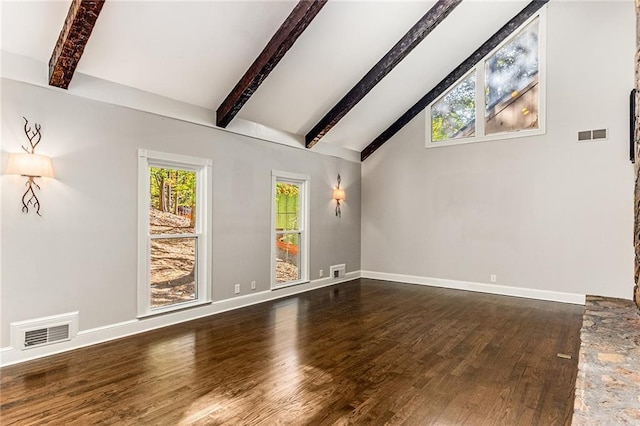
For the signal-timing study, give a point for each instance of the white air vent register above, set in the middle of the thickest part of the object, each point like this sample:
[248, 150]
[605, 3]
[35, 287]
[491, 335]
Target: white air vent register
[44, 331]
[337, 271]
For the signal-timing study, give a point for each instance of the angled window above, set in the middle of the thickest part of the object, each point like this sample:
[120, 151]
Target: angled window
[454, 115]
[511, 84]
[290, 221]
[500, 98]
[174, 247]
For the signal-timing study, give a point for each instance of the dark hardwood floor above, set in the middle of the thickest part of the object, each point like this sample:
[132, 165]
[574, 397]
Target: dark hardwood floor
[363, 352]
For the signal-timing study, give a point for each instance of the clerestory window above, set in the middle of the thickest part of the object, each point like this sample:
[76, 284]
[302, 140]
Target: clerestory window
[501, 97]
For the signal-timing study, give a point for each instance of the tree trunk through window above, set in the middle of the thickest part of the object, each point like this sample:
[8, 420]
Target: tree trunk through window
[174, 207]
[192, 220]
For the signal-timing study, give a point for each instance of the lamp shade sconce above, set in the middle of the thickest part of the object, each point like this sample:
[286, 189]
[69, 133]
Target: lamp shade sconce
[30, 165]
[339, 195]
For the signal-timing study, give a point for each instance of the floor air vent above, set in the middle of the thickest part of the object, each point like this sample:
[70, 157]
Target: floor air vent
[44, 331]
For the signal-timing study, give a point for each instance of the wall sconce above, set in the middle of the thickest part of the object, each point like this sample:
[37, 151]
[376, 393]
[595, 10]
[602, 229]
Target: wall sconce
[338, 195]
[31, 165]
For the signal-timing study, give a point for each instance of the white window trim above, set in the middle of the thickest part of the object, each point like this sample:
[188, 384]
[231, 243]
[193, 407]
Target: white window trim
[479, 68]
[204, 184]
[305, 182]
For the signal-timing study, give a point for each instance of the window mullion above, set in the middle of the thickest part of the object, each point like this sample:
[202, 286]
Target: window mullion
[169, 236]
[480, 99]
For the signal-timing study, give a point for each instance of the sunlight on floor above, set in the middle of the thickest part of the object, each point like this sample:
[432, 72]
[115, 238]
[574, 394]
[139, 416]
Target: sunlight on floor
[283, 388]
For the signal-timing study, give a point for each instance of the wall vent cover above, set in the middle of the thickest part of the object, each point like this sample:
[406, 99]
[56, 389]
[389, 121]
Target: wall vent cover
[600, 134]
[337, 271]
[584, 135]
[42, 336]
[592, 135]
[44, 331]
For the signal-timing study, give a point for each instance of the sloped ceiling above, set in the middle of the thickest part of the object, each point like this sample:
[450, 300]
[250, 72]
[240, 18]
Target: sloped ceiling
[195, 52]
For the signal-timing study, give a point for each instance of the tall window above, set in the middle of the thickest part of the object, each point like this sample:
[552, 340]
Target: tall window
[174, 221]
[499, 98]
[290, 219]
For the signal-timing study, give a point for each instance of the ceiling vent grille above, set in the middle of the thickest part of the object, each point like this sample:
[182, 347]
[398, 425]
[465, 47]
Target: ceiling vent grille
[44, 331]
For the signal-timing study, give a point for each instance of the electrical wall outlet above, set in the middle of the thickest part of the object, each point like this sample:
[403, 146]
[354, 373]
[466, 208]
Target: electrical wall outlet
[253, 285]
[493, 278]
[321, 273]
[237, 289]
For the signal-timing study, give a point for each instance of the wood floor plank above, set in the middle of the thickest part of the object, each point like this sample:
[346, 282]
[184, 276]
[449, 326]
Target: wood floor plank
[363, 352]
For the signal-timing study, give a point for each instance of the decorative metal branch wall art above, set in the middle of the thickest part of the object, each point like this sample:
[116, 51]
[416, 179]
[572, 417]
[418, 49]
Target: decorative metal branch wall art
[31, 165]
[338, 195]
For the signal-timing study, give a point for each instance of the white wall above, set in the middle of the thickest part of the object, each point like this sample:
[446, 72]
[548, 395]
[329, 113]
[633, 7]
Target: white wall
[81, 254]
[542, 212]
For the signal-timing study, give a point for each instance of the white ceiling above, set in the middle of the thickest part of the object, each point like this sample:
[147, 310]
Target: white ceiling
[195, 52]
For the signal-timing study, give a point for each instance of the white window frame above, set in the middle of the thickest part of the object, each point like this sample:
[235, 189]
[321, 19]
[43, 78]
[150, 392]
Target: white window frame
[203, 169]
[304, 183]
[479, 69]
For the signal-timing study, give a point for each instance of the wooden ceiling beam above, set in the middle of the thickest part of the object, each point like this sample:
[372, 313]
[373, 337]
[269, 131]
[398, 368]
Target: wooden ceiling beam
[73, 38]
[297, 21]
[454, 75]
[393, 57]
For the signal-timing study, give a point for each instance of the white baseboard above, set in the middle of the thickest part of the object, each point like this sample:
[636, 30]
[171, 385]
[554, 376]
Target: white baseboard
[9, 355]
[529, 293]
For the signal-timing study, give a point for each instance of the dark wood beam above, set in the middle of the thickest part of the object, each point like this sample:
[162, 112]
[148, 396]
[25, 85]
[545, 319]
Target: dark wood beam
[398, 52]
[73, 38]
[297, 21]
[454, 75]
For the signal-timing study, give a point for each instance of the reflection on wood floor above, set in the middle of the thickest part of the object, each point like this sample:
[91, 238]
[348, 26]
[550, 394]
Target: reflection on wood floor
[363, 352]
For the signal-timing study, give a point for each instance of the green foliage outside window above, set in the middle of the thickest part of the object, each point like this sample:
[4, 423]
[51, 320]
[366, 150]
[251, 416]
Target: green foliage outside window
[287, 206]
[455, 112]
[173, 191]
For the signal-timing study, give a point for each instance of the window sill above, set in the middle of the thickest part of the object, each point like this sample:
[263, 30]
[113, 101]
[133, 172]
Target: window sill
[289, 284]
[174, 308]
[495, 137]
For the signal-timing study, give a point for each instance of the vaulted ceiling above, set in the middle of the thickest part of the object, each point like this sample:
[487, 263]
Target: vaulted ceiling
[196, 52]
